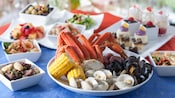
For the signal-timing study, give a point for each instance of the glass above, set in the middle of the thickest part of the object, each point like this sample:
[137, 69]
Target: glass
[161, 20]
[73, 4]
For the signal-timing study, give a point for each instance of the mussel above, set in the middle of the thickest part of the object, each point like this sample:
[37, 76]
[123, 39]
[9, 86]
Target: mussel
[116, 67]
[134, 66]
[139, 69]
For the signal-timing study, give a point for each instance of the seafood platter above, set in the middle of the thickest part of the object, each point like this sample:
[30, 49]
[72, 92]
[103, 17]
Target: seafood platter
[111, 62]
[104, 70]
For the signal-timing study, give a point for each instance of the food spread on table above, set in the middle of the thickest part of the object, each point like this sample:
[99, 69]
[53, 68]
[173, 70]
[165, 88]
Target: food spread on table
[38, 9]
[20, 46]
[82, 20]
[27, 31]
[17, 70]
[140, 27]
[163, 58]
[81, 59]
[55, 30]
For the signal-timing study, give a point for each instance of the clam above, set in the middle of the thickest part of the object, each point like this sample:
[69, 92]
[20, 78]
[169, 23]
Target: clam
[92, 81]
[7, 68]
[124, 81]
[103, 85]
[86, 86]
[99, 75]
[73, 83]
[92, 64]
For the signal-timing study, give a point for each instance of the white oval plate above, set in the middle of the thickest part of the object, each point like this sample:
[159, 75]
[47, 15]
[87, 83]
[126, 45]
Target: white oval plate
[64, 83]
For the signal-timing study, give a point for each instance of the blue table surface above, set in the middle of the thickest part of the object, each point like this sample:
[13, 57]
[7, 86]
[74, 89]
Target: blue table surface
[156, 87]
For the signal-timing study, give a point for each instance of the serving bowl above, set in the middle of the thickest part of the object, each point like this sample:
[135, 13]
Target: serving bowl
[32, 54]
[24, 82]
[160, 61]
[36, 18]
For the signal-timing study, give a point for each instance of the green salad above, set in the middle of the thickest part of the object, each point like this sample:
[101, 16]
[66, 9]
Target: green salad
[82, 20]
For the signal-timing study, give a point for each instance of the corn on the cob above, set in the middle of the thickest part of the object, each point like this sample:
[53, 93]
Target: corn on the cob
[60, 66]
[76, 72]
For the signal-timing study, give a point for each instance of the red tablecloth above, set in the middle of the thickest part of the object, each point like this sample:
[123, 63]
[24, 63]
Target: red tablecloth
[108, 20]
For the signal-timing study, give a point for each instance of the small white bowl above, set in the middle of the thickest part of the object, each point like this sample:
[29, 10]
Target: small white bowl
[24, 82]
[53, 38]
[33, 56]
[37, 19]
[164, 70]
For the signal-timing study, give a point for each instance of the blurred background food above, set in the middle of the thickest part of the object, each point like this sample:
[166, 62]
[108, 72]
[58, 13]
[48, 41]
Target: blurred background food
[9, 8]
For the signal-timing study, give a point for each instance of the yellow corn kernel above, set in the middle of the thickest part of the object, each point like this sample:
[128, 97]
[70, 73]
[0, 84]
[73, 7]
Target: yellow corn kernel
[76, 72]
[60, 66]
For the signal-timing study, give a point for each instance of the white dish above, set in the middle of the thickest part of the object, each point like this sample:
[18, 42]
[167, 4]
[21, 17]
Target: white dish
[24, 82]
[152, 44]
[36, 18]
[33, 56]
[64, 83]
[97, 19]
[6, 35]
[47, 43]
[163, 70]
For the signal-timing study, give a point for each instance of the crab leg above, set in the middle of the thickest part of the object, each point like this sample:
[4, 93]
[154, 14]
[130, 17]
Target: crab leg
[84, 50]
[60, 42]
[116, 48]
[92, 37]
[102, 38]
[71, 52]
[99, 53]
[66, 36]
[59, 51]
[88, 46]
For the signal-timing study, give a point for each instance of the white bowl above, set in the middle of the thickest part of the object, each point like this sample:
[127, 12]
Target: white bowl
[53, 38]
[38, 19]
[165, 70]
[33, 56]
[24, 82]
